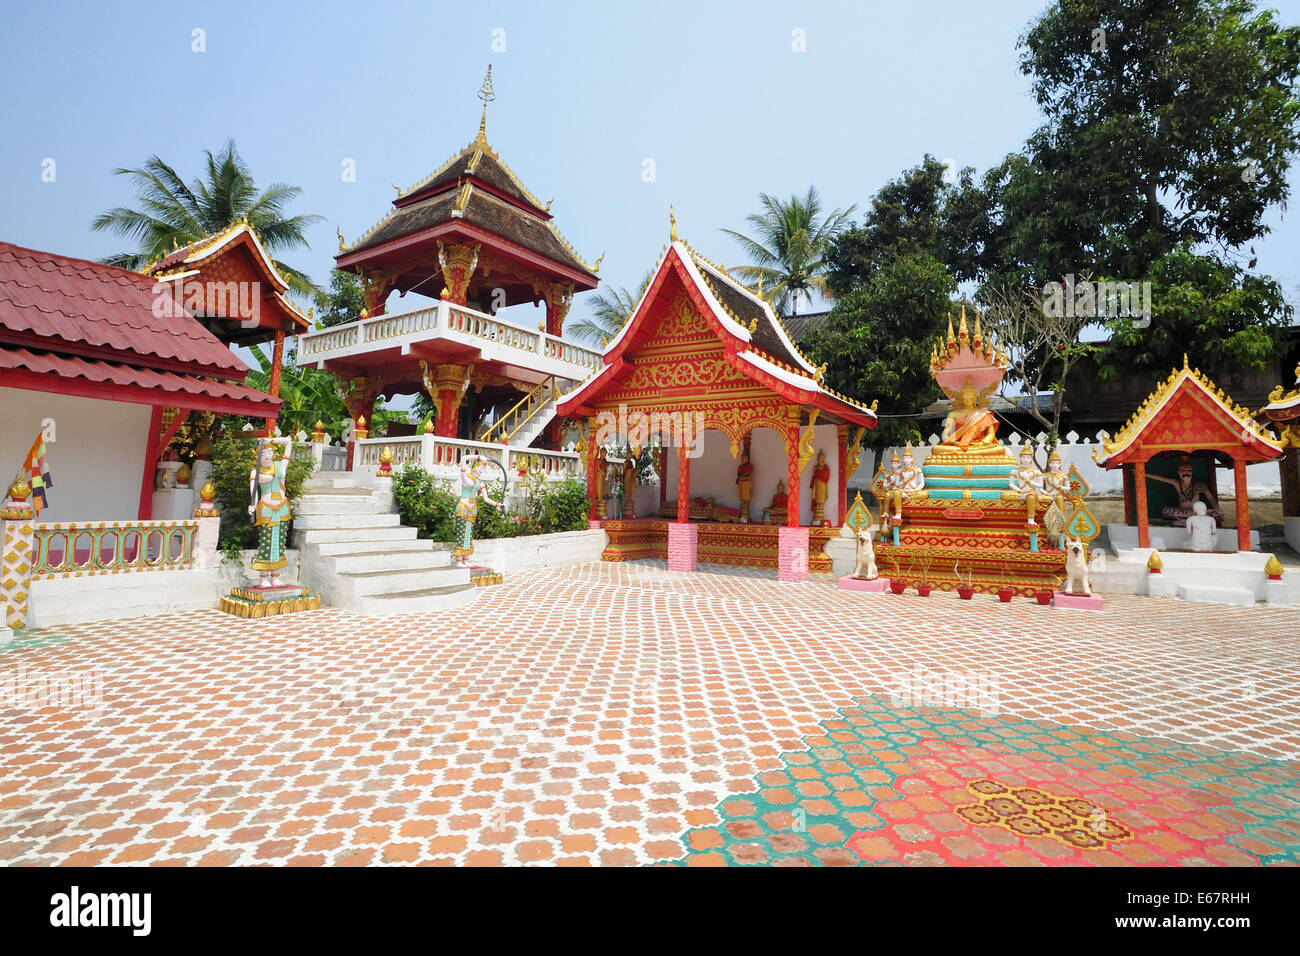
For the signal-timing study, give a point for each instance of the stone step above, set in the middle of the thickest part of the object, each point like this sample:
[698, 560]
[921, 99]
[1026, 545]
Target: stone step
[1216, 595]
[325, 481]
[309, 520]
[390, 560]
[417, 601]
[336, 504]
[349, 547]
[309, 536]
[398, 581]
[335, 493]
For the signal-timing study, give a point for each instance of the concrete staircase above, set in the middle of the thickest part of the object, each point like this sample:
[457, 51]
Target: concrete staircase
[358, 555]
[537, 415]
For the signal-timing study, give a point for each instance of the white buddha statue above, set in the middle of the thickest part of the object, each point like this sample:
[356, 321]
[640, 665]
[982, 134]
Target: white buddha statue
[1201, 528]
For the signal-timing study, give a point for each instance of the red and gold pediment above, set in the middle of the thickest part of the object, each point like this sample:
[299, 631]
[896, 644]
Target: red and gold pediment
[1187, 412]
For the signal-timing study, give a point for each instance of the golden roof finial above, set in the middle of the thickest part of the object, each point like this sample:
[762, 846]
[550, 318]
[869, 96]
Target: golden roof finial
[599, 260]
[962, 331]
[342, 242]
[487, 96]
[1184, 360]
[760, 285]
[979, 333]
[672, 224]
[951, 338]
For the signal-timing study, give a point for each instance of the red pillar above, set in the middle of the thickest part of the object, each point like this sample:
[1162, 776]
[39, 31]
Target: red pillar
[792, 468]
[1243, 505]
[447, 424]
[683, 483]
[1140, 480]
[663, 474]
[593, 453]
[843, 499]
[151, 452]
[1126, 471]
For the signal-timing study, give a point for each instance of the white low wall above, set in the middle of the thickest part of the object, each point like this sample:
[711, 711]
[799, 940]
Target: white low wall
[59, 601]
[538, 551]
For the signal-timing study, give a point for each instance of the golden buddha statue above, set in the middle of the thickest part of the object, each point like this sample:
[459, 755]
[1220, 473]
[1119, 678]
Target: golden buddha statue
[969, 427]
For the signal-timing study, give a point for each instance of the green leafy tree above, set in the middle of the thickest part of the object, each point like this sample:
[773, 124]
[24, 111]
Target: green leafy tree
[878, 338]
[610, 311]
[174, 213]
[893, 291]
[788, 247]
[1200, 306]
[1166, 140]
[342, 302]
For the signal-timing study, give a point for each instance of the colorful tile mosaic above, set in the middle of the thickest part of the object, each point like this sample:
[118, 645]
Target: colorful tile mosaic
[621, 714]
[886, 784]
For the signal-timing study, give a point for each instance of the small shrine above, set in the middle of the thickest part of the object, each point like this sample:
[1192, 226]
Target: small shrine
[753, 450]
[1170, 449]
[974, 518]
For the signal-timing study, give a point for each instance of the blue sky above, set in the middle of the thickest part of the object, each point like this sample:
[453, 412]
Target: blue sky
[713, 93]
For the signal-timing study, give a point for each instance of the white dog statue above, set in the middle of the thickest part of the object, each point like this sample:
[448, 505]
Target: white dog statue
[1076, 569]
[866, 566]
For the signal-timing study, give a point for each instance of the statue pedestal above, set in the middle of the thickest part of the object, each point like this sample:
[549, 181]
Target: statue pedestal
[1077, 602]
[862, 585]
[257, 601]
[482, 577]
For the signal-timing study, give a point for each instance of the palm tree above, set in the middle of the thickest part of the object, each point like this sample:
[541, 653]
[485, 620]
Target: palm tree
[789, 251]
[609, 312]
[174, 213]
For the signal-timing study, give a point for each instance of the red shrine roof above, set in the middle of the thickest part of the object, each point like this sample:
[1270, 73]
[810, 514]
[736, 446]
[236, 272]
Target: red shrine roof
[753, 339]
[1188, 413]
[235, 254]
[473, 196]
[77, 326]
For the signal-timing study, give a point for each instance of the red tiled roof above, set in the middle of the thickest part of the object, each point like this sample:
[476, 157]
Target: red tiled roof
[55, 302]
[183, 390]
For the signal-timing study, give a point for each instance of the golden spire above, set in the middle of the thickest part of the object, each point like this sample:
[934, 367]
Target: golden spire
[487, 96]
[672, 224]
[951, 338]
[979, 333]
[760, 285]
[963, 332]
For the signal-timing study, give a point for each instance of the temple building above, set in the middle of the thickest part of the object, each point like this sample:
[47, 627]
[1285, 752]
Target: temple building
[753, 447]
[471, 235]
[93, 349]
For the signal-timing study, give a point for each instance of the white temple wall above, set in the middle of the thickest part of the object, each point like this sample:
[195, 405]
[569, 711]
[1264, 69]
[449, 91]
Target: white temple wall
[96, 459]
[713, 473]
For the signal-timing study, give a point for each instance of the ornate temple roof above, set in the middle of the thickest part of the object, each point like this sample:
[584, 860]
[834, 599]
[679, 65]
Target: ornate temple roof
[751, 332]
[1187, 412]
[199, 261]
[1283, 405]
[475, 187]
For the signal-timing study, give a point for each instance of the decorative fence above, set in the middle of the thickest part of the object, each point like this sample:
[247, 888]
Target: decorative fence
[448, 319]
[112, 547]
[442, 456]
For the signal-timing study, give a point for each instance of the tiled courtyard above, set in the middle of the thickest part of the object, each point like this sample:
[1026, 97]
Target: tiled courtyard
[619, 714]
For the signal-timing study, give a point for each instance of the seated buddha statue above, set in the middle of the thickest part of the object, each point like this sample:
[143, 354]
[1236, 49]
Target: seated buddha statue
[777, 510]
[968, 427]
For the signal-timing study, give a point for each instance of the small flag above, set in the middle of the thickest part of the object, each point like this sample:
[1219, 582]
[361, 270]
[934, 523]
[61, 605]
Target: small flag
[38, 472]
